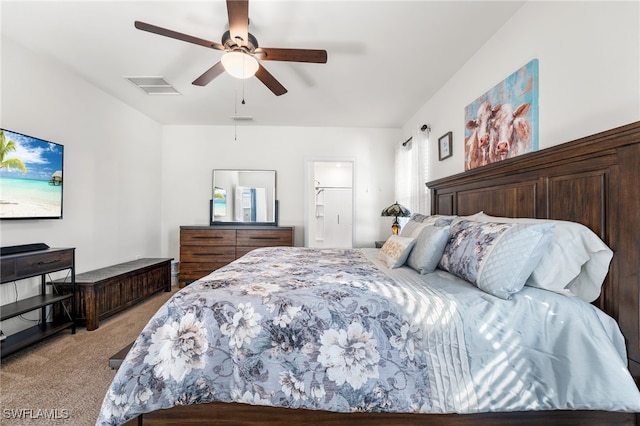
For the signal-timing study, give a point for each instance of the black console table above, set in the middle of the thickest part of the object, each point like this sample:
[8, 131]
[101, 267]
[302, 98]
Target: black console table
[20, 266]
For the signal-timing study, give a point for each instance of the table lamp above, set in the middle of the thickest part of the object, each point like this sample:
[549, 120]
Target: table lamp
[397, 210]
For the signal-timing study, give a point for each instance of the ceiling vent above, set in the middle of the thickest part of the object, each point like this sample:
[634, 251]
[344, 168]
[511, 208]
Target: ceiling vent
[153, 85]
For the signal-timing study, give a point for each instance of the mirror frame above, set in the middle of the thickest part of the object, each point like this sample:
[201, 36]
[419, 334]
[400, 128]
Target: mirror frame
[229, 192]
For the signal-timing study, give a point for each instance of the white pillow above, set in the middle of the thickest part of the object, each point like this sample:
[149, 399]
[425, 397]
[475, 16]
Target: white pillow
[418, 221]
[473, 217]
[496, 257]
[576, 262]
[395, 251]
[428, 248]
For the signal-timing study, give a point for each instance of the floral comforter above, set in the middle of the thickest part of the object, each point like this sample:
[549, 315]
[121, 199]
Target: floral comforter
[328, 329]
[310, 328]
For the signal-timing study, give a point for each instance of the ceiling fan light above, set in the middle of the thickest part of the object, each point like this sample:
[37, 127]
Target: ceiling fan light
[239, 65]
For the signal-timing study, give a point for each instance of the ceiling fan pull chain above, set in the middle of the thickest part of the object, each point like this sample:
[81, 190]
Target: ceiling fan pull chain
[235, 103]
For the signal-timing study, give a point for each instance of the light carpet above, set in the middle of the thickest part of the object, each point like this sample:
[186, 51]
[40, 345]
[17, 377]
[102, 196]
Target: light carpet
[63, 379]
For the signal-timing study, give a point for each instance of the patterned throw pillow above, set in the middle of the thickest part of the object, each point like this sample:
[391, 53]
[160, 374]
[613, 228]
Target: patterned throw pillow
[395, 251]
[428, 248]
[496, 257]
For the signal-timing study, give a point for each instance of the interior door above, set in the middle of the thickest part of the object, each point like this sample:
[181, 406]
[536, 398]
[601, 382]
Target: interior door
[338, 218]
[329, 204]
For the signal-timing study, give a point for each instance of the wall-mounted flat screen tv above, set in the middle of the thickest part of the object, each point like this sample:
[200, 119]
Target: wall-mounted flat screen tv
[31, 177]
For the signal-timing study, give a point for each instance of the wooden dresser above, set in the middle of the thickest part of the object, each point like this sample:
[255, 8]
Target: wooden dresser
[204, 249]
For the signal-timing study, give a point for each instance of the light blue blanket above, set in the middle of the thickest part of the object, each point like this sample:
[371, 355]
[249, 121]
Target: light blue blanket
[333, 329]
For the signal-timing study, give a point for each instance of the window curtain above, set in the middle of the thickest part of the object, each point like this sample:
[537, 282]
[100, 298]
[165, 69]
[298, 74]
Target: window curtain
[411, 172]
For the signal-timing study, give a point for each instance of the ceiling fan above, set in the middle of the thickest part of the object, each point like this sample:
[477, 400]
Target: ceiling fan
[242, 50]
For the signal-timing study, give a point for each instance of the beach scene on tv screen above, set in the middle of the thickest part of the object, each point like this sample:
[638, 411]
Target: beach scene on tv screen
[30, 177]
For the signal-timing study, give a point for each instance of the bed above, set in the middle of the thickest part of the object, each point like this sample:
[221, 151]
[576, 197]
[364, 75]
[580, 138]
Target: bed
[341, 336]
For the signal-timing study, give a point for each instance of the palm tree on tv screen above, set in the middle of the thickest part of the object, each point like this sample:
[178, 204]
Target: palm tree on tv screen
[7, 146]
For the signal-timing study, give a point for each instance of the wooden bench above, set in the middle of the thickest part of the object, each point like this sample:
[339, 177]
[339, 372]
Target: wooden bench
[106, 291]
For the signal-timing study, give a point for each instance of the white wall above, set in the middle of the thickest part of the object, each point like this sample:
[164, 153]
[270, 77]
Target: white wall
[190, 153]
[111, 166]
[111, 162]
[589, 59]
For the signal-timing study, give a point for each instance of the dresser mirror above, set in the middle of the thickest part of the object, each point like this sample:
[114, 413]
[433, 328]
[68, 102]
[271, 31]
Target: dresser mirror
[244, 197]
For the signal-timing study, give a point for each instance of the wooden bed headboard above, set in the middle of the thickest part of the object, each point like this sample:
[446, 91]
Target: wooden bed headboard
[593, 180]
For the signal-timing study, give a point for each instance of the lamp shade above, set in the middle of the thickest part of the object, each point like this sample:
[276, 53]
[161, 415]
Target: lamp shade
[239, 65]
[397, 210]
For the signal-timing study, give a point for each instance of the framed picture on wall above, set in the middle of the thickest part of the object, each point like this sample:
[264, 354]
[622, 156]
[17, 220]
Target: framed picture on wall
[510, 108]
[445, 143]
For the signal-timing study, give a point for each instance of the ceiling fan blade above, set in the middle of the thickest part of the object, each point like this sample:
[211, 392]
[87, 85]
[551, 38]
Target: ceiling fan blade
[179, 36]
[292, 55]
[209, 75]
[238, 11]
[270, 81]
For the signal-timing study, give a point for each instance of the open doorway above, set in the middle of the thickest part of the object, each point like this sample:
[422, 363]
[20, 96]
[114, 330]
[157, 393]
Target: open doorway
[329, 204]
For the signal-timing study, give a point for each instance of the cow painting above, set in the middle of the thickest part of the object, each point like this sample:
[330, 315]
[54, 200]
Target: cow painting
[503, 123]
[509, 132]
[477, 144]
